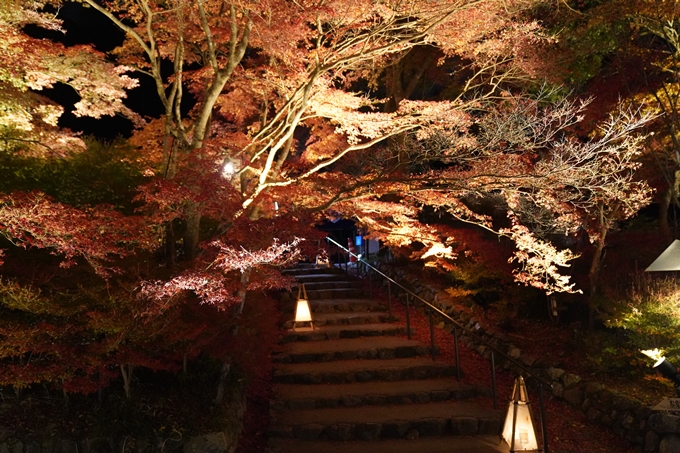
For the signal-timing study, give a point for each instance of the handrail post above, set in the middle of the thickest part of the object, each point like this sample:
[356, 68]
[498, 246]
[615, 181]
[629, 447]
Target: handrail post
[429, 314]
[389, 299]
[493, 381]
[455, 346]
[544, 428]
[370, 281]
[408, 318]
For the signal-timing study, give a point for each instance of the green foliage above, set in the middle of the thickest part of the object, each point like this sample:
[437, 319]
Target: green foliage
[651, 316]
[488, 285]
[591, 46]
[476, 280]
[29, 300]
[104, 173]
[608, 352]
[166, 407]
[76, 340]
[589, 35]
[477, 274]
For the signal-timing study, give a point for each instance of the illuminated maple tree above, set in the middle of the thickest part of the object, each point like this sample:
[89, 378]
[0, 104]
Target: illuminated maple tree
[291, 106]
[29, 65]
[254, 92]
[260, 72]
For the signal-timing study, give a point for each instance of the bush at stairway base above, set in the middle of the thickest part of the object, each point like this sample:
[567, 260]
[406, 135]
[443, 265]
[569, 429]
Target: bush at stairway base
[224, 441]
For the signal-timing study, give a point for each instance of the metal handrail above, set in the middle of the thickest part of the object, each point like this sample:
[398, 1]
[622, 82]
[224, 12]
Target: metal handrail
[541, 382]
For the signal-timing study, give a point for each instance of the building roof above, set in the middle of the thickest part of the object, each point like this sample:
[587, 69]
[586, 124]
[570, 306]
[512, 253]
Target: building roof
[669, 260]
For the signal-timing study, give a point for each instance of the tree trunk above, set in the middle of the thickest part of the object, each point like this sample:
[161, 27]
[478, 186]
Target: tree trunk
[664, 204]
[594, 275]
[169, 149]
[394, 87]
[243, 291]
[192, 231]
[170, 250]
[222, 383]
[126, 371]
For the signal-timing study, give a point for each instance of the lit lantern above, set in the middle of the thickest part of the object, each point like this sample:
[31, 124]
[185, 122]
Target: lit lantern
[518, 429]
[302, 312]
[228, 169]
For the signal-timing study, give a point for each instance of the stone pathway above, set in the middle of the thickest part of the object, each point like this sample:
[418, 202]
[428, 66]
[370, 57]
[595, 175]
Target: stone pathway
[354, 385]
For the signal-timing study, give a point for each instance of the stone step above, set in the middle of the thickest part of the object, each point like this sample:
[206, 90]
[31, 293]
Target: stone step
[290, 396]
[325, 306]
[320, 277]
[311, 269]
[346, 371]
[346, 305]
[335, 284]
[353, 318]
[351, 349]
[334, 332]
[336, 293]
[386, 422]
[439, 444]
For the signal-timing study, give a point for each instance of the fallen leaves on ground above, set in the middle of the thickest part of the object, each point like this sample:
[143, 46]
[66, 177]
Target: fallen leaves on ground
[569, 431]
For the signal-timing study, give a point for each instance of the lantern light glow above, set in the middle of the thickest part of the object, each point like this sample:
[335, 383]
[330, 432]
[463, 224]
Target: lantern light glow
[228, 170]
[303, 313]
[518, 429]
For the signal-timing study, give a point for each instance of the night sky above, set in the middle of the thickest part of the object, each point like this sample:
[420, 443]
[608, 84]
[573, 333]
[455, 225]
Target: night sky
[87, 26]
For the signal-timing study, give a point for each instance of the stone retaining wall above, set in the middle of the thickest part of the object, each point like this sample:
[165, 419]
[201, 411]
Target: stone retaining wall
[224, 441]
[651, 431]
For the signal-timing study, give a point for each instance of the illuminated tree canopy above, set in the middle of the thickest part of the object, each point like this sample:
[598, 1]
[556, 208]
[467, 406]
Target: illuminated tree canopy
[321, 107]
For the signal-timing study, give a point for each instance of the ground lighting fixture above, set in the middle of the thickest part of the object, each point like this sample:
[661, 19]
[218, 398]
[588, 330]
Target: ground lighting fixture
[518, 429]
[664, 367]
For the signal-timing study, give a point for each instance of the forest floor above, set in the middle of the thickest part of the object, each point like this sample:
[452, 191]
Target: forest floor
[568, 429]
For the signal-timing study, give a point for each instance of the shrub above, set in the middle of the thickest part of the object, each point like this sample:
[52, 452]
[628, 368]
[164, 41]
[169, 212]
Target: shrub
[651, 316]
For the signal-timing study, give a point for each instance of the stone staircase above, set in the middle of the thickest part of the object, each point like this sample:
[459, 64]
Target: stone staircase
[355, 384]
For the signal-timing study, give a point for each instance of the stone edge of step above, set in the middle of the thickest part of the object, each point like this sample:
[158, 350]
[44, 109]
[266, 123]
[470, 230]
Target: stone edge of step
[391, 429]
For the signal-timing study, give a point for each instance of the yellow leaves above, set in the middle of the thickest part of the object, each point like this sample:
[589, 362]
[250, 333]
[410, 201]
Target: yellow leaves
[50, 113]
[458, 292]
[325, 147]
[17, 297]
[14, 116]
[438, 250]
[21, 12]
[540, 260]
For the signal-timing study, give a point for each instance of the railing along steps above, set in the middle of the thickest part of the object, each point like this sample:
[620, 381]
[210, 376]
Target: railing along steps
[354, 378]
